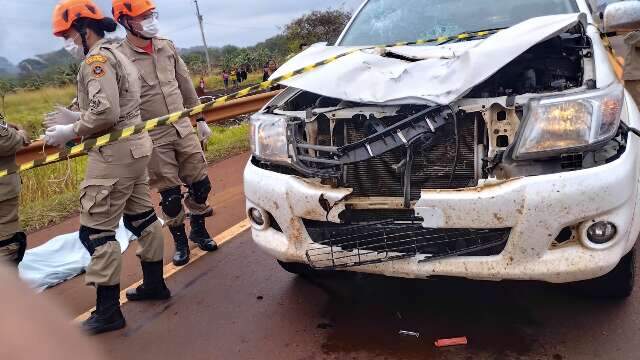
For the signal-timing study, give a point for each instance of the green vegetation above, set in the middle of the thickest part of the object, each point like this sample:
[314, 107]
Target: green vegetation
[50, 194]
[215, 81]
[227, 141]
[27, 108]
[316, 26]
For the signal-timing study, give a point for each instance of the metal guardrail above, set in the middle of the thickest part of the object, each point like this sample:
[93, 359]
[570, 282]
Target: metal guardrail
[227, 111]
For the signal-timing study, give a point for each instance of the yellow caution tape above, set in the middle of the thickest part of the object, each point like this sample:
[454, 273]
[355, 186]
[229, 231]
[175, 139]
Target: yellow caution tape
[172, 118]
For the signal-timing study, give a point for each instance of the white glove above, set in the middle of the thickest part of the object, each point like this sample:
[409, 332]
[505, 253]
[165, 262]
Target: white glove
[62, 116]
[59, 135]
[204, 132]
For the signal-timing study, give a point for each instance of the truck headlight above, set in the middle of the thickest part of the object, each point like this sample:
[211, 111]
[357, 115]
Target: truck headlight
[555, 125]
[269, 137]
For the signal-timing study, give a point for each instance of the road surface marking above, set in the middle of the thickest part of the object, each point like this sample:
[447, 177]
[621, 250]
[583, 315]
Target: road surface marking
[170, 269]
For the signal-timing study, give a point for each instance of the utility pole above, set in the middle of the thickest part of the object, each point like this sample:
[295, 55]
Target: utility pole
[204, 39]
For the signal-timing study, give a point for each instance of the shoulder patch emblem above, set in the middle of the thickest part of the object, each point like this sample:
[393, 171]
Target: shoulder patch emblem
[96, 59]
[98, 70]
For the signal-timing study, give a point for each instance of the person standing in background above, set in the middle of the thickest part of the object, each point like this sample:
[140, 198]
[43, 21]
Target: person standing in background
[271, 69]
[244, 74]
[234, 77]
[201, 89]
[238, 76]
[265, 72]
[225, 79]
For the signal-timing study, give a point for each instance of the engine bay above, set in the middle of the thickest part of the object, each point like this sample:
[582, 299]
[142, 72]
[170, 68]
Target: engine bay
[397, 150]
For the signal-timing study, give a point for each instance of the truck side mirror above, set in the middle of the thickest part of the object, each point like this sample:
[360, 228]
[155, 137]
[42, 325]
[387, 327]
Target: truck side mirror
[622, 17]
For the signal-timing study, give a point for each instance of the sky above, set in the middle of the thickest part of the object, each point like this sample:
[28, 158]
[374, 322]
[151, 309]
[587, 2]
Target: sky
[25, 25]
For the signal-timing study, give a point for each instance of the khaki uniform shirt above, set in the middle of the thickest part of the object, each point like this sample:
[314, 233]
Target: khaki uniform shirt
[10, 141]
[108, 92]
[632, 57]
[166, 87]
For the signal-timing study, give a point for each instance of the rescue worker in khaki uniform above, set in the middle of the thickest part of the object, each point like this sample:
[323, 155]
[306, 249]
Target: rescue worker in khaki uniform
[13, 242]
[116, 182]
[177, 157]
[631, 75]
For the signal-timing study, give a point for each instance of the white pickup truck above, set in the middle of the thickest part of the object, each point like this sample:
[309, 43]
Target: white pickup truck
[499, 150]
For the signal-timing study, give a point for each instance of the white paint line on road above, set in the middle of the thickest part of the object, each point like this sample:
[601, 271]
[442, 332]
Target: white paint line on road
[196, 253]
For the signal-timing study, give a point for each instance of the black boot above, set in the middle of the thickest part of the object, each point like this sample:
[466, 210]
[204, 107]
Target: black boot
[107, 316]
[200, 235]
[153, 286]
[181, 256]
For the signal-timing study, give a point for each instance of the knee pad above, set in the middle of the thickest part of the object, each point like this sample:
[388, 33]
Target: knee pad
[20, 239]
[171, 202]
[94, 238]
[199, 191]
[143, 220]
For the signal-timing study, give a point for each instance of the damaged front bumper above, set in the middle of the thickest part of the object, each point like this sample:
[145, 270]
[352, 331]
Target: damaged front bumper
[535, 210]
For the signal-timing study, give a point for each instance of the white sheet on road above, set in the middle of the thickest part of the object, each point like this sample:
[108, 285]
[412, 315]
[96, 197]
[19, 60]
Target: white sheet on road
[442, 75]
[61, 258]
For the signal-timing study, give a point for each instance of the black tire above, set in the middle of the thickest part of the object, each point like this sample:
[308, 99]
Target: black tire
[617, 284]
[298, 268]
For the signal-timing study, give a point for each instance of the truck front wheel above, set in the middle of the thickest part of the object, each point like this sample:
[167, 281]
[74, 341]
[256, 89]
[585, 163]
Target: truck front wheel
[618, 283]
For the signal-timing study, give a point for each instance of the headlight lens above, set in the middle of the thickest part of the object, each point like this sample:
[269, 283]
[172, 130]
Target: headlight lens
[556, 124]
[269, 137]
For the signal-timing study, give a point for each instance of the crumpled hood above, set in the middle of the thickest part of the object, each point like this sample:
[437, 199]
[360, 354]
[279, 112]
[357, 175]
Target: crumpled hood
[441, 74]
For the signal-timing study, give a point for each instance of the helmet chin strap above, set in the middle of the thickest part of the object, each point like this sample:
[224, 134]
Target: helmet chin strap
[124, 21]
[82, 30]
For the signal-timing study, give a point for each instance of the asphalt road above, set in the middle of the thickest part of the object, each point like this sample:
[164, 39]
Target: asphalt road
[238, 304]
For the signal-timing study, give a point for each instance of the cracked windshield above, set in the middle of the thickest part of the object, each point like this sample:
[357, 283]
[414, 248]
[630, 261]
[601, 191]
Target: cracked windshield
[390, 21]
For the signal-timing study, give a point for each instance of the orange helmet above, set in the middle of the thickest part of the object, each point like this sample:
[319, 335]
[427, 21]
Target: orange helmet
[68, 11]
[131, 8]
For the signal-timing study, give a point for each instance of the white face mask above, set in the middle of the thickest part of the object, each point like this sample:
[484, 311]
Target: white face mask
[73, 48]
[150, 27]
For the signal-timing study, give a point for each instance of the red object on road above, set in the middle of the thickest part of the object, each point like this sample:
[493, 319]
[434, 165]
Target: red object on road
[451, 342]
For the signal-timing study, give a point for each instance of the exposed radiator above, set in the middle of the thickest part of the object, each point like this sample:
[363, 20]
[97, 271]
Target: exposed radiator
[432, 168]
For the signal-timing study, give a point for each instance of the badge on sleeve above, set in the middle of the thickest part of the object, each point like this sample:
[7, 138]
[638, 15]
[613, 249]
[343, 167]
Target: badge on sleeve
[95, 106]
[98, 70]
[97, 65]
[96, 59]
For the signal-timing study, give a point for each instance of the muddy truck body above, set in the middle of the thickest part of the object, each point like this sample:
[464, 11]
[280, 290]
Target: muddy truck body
[492, 157]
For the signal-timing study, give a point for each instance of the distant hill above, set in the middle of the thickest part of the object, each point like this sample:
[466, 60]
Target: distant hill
[6, 67]
[43, 62]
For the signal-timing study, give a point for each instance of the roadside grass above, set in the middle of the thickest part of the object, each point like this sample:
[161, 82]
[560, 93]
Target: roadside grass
[50, 194]
[227, 141]
[215, 82]
[27, 108]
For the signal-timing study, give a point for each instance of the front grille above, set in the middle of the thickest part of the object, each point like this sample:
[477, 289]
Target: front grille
[432, 168]
[343, 246]
[360, 216]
